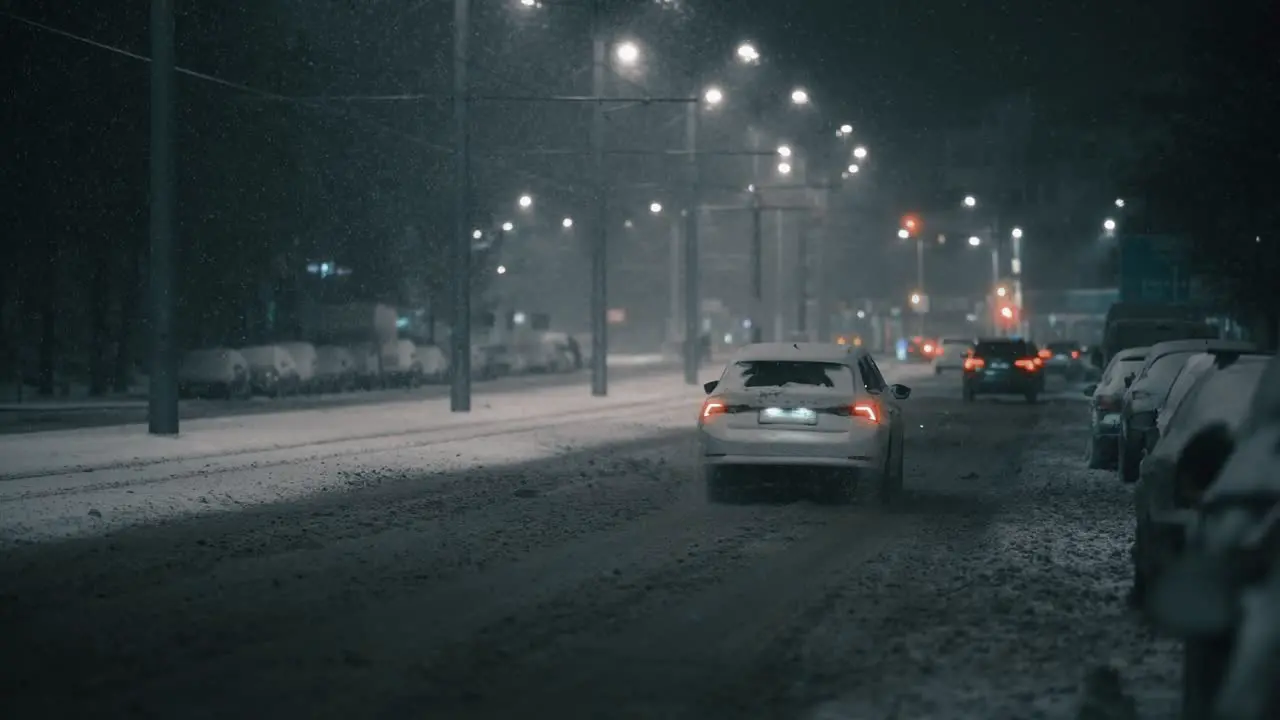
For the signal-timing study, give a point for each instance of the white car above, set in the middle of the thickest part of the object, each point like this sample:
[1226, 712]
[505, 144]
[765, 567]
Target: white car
[950, 354]
[794, 408]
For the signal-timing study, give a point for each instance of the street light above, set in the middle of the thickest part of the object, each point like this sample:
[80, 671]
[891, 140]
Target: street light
[508, 227]
[1002, 291]
[904, 233]
[655, 207]
[784, 168]
[1006, 312]
[970, 201]
[748, 54]
[915, 298]
[975, 241]
[1016, 233]
[853, 169]
[784, 151]
[1109, 225]
[845, 129]
[860, 152]
[529, 3]
[525, 202]
[714, 96]
[567, 222]
[628, 53]
[502, 269]
[799, 96]
[476, 234]
[1119, 202]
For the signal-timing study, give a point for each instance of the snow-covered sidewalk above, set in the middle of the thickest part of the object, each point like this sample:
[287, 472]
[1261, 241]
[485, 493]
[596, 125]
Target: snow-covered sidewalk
[64, 451]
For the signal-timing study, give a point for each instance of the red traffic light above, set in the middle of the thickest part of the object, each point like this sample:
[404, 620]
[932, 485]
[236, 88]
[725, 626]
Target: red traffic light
[910, 223]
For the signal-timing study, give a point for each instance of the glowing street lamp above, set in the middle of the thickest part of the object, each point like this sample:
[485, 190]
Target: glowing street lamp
[970, 201]
[784, 151]
[784, 168]
[975, 241]
[845, 129]
[748, 54]
[1119, 202]
[655, 208]
[713, 96]
[508, 226]
[628, 53]
[854, 169]
[1109, 225]
[502, 269]
[904, 233]
[1002, 291]
[915, 298]
[860, 152]
[525, 202]
[1016, 233]
[799, 96]
[567, 222]
[476, 234]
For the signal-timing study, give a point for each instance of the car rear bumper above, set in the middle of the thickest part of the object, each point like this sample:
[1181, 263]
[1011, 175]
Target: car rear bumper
[1007, 384]
[858, 448]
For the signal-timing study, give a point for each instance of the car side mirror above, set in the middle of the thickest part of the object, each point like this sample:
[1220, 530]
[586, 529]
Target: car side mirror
[710, 387]
[1089, 389]
[900, 392]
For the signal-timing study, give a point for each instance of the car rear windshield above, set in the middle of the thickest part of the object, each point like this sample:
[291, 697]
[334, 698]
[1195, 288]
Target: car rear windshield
[1006, 349]
[787, 373]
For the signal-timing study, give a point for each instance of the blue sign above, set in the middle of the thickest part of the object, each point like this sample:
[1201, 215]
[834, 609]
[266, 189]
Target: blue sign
[1155, 268]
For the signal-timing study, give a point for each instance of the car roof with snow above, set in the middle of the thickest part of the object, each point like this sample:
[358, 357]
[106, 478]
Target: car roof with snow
[799, 352]
[1199, 344]
[1221, 395]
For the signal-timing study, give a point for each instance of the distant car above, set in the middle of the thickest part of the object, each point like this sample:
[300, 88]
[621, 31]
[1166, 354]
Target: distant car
[1065, 358]
[1104, 409]
[1150, 387]
[951, 353]
[921, 350]
[1196, 441]
[1003, 366]
[817, 407]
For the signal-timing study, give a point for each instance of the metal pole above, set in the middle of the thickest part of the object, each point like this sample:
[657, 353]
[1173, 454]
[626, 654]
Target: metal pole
[757, 271]
[162, 397]
[1017, 283]
[460, 340]
[995, 287]
[920, 285]
[821, 304]
[673, 313]
[692, 301]
[599, 247]
[779, 279]
[802, 279]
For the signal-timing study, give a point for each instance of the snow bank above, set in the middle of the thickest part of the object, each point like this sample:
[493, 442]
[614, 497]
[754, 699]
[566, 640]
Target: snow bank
[64, 451]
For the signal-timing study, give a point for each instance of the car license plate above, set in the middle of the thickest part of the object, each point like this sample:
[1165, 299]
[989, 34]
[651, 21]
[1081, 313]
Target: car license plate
[788, 416]
[998, 365]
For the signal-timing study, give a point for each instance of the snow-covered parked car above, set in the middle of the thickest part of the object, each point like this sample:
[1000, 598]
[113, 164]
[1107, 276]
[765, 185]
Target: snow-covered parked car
[214, 372]
[272, 371]
[551, 353]
[335, 368]
[304, 360]
[400, 364]
[1104, 409]
[367, 365]
[1222, 598]
[486, 361]
[435, 364]
[1197, 430]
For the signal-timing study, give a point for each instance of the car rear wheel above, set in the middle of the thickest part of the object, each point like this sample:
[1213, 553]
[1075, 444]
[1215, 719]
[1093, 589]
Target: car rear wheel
[720, 485]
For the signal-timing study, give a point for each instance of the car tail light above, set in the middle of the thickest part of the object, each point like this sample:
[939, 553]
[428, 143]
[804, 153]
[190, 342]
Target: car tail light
[712, 407]
[1075, 354]
[1045, 354]
[974, 363]
[1029, 364]
[867, 411]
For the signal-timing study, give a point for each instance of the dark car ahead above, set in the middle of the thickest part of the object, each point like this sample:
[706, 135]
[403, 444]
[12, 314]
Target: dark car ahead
[1003, 366]
[1065, 358]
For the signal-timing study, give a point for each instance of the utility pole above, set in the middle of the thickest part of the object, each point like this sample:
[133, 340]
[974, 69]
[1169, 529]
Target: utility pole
[460, 391]
[802, 278]
[692, 301]
[920, 285]
[757, 270]
[162, 397]
[673, 270]
[600, 232]
[822, 306]
[1016, 267]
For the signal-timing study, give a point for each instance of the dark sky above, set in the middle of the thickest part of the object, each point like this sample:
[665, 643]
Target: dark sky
[920, 62]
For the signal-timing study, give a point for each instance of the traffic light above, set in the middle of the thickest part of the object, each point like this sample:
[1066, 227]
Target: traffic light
[911, 224]
[1007, 314]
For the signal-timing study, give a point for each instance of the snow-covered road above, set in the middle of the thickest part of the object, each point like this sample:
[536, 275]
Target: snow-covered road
[574, 570]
